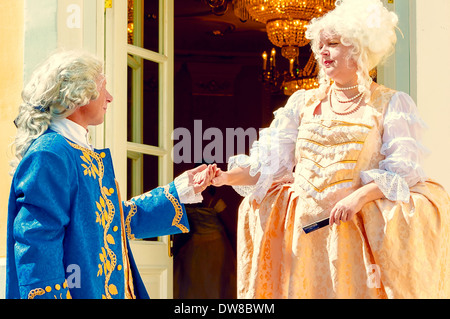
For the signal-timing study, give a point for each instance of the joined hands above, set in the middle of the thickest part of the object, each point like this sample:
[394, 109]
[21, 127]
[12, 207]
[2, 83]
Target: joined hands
[205, 175]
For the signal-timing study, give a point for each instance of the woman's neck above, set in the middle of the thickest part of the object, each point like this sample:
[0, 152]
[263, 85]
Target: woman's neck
[345, 84]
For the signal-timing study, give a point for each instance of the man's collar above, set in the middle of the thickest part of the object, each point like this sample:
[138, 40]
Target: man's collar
[72, 131]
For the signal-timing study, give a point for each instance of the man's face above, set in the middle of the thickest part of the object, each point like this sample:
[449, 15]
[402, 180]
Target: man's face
[94, 112]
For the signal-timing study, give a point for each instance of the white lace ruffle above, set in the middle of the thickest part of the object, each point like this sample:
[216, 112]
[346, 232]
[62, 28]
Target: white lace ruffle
[403, 150]
[326, 150]
[244, 161]
[185, 191]
[391, 185]
[273, 154]
[411, 172]
[324, 131]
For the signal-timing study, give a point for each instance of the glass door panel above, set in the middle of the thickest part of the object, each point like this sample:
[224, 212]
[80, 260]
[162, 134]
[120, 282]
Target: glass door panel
[143, 24]
[143, 101]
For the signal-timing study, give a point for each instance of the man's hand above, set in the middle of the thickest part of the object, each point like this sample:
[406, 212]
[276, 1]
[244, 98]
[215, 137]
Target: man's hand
[200, 177]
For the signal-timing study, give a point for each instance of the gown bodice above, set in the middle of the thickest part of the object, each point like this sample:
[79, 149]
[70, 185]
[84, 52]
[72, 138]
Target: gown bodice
[331, 152]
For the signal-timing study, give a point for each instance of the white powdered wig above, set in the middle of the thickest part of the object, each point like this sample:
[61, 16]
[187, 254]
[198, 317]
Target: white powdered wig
[64, 82]
[365, 25]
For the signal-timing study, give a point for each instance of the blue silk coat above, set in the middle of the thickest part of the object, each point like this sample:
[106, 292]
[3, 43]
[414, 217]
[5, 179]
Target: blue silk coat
[68, 230]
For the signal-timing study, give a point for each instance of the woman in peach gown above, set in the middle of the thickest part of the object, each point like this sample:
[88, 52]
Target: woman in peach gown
[349, 150]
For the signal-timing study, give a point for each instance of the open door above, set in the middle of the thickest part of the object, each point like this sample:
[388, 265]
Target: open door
[139, 58]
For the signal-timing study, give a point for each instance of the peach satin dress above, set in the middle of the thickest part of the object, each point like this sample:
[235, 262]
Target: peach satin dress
[396, 247]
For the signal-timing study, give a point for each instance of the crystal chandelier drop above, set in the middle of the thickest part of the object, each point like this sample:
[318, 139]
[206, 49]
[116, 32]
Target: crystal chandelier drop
[289, 81]
[285, 20]
[218, 7]
[298, 79]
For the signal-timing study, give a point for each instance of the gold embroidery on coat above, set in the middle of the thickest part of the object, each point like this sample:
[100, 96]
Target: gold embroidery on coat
[178, 210]
[176, 205]
[133, 211]
[40, 291]
[129, 286]
[36, 292]
[128, 220]
[105, 216]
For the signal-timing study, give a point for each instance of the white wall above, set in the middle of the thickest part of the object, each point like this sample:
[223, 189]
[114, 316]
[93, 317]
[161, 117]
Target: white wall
[40, 33]
[11, 83]
[430, 71]
[31, 30]
[30, 43]
[2, 278]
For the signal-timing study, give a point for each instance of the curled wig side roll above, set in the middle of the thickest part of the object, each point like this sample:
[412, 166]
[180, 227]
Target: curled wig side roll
[60, 85]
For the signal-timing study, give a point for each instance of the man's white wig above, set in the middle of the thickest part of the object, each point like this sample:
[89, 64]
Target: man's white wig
[64, 82]
[367, 26]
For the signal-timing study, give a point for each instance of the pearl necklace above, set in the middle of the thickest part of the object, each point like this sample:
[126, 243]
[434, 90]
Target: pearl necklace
[349, 100]
[358, 105]
[345, 89]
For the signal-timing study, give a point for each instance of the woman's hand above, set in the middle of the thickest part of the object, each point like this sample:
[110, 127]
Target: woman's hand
[346, 208]
[220, 178]
[200, 177]
[235, 176]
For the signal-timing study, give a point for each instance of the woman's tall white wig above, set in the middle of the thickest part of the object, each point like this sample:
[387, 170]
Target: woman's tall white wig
[64, 82]
[367, 26]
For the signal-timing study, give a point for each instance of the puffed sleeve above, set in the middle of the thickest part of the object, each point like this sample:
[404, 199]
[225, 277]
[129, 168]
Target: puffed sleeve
[403, 150]
[158, 212]
[273, 153]
[42, 192]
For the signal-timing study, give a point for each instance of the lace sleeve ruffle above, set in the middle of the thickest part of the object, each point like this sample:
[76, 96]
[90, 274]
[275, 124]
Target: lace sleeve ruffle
[273, 154]
[185, 191]
[403, 150]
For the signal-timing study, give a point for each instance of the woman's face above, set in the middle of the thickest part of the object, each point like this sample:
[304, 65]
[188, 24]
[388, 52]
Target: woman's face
[335, 59]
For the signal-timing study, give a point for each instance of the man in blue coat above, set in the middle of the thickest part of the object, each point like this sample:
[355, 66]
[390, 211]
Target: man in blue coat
[65, 213]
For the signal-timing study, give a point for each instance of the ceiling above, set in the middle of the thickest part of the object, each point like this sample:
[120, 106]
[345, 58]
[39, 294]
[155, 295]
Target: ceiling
[198, 30]
[201, 33]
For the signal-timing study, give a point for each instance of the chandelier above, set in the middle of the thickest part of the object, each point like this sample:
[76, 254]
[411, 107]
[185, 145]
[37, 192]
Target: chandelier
[285, 20]
[291, 80]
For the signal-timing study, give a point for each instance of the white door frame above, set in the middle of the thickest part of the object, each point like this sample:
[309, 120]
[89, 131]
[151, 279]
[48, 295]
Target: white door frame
[152, 258]
[396, 72]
